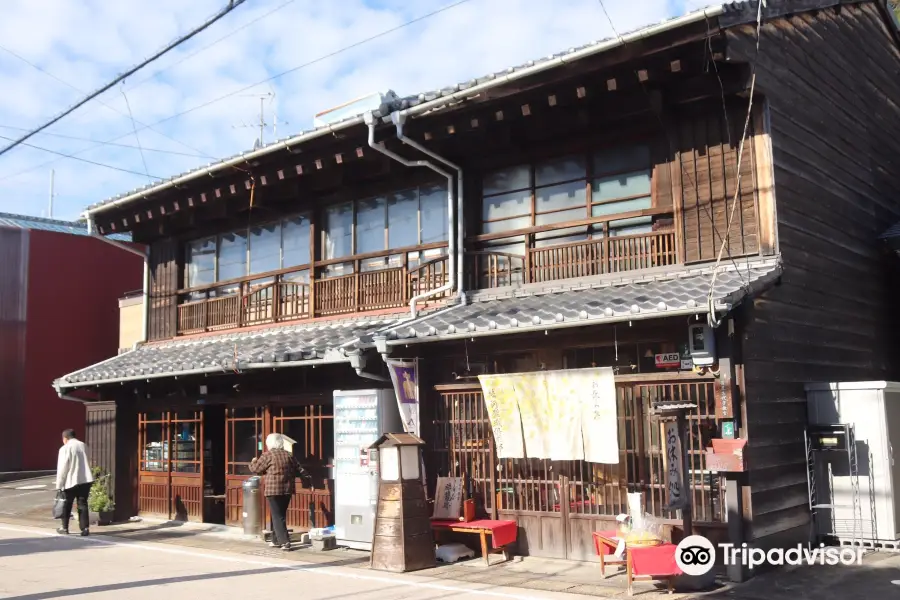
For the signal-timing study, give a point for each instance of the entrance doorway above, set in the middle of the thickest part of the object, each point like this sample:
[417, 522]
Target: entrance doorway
[214, 468]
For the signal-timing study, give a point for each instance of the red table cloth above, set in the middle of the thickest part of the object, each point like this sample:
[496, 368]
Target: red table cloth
[654, 561]
[502, 532]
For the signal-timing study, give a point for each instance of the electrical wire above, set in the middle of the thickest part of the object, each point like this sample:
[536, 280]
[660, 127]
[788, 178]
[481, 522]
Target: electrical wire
[136, 136]
[101, 102]
[711, 315]
[84, 160]
[232, 4]
[684, 172]
[83, 139]
[283, 73]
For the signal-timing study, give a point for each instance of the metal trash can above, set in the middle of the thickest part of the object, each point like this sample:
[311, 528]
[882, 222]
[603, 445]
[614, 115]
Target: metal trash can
[252, 515]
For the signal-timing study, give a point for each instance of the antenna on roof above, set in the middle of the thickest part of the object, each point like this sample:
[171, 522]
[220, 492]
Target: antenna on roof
[52, 193]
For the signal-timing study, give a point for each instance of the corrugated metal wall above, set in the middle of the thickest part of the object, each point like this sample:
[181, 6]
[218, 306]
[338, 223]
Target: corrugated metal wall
[75, 283]
[13, 293]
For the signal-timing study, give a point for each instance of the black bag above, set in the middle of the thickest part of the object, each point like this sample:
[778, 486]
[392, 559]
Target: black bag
[59, 505]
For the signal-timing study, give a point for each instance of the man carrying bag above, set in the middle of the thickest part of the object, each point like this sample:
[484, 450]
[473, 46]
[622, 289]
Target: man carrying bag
[73, 483]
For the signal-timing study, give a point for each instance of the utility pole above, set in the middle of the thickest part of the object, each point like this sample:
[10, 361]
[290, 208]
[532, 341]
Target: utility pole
[50, 208]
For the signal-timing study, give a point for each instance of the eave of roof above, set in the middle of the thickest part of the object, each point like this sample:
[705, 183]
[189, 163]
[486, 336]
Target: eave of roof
[664, 294]
[417, 105]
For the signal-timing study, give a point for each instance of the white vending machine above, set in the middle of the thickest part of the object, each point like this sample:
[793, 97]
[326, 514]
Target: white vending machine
[360, 418]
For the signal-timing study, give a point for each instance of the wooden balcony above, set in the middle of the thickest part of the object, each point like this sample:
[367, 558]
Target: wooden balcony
[489, 269]
[286, 296]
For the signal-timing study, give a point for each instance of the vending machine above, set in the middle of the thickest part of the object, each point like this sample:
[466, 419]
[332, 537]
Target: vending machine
[360, 418]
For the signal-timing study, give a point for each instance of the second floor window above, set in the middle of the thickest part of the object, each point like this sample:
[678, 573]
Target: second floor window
[566, 189]
[258, 249]
[379, 224]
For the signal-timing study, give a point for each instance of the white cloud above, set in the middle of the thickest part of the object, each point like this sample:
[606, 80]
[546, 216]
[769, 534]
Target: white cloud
[87, 43]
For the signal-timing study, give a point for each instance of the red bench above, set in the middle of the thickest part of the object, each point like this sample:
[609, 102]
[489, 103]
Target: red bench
[502, 533]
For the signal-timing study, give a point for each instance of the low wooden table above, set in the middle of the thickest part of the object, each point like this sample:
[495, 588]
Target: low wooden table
[502, 533]
[652, 562]
[605, 544]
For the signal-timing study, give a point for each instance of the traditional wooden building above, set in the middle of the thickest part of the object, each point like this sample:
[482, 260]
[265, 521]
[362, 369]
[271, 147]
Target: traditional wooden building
[58, 292]
[581, 210]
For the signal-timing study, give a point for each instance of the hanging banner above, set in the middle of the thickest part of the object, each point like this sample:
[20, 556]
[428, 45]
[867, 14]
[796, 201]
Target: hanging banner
[405, 377]
[564, 426]
[503, 412]
[534, 407]
[599, 416]
[673, 465]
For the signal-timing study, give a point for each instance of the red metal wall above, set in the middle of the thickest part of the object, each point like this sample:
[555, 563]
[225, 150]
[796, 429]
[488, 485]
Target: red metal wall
[74, 283]
[13, 289]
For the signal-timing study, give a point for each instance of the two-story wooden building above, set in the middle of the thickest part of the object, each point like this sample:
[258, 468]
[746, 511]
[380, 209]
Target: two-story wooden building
[577, 211]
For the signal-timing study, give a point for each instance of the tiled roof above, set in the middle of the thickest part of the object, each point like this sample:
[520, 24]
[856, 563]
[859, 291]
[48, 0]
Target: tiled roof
[308, 343]
[588, 302]
[54, 225]
[411, 101]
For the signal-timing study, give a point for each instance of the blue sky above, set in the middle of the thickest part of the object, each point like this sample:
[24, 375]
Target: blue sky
[79, 45]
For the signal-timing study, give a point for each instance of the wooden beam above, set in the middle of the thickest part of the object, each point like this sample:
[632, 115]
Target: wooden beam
[765, 179]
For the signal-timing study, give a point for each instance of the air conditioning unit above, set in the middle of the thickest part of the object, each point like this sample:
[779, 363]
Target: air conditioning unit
[380, 101]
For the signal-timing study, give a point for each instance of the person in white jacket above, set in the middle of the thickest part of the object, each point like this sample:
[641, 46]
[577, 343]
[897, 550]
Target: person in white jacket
[74, 479]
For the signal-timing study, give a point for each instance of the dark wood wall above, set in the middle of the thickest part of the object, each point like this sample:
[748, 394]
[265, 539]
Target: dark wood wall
[704, 165]
[164, 282]
[13, 294]
[100, 437]
[830, 83]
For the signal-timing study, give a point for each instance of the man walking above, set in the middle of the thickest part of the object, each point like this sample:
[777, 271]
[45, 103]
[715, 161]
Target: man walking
[280, 469]
[74, 479]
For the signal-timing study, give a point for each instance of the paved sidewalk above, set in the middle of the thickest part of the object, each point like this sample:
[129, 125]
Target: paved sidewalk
[874, 579]
[37, 565]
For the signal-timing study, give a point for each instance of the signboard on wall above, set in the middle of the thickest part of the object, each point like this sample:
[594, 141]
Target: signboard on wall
[668, 360]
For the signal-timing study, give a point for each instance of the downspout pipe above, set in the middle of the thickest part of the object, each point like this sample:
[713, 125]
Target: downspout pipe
[358, 363]
[144, 254]
[451, 285]
[399, 119]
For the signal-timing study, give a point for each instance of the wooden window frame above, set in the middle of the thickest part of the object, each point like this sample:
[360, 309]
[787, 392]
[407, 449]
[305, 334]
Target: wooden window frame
[590, 176]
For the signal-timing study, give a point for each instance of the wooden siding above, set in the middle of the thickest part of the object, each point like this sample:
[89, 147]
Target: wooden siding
[13, 293]
[831, 89]
[704, 180]
[100, 437]
[164, 280]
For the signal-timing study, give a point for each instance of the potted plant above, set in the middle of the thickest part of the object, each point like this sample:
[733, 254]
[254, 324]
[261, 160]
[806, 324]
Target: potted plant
[100, 503]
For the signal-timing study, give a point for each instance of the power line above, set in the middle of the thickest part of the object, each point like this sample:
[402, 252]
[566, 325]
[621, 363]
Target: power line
[109, 106]
[683, 171]
[312, 62]
[83, 139]
[211, 44]
[136, 137]
[235, 92]
[232, 4]
[90, 162]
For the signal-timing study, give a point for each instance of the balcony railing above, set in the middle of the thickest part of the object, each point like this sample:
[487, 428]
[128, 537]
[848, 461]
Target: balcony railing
[578, 259]
[287, 295]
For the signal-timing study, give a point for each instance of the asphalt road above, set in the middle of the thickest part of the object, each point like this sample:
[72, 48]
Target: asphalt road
[37, 565]
[28, 498]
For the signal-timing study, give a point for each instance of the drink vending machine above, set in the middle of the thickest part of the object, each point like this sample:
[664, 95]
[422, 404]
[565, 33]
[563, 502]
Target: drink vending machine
[360, 418]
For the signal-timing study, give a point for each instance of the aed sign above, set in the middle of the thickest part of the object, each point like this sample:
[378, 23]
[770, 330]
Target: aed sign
[668, 360]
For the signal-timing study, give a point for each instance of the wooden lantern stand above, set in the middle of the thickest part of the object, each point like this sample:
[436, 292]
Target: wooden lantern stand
[403, 540]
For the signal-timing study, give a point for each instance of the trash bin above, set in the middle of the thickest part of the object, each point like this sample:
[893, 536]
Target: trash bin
[252, 507]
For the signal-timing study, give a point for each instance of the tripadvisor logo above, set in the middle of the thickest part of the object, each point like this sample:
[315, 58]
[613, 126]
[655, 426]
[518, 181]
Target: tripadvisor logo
[696, 555]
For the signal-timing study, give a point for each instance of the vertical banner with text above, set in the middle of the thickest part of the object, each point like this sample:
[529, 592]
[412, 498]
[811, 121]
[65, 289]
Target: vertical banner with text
[405, 377]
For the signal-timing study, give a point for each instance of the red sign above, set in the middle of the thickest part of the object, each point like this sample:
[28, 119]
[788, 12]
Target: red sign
[668, 360]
